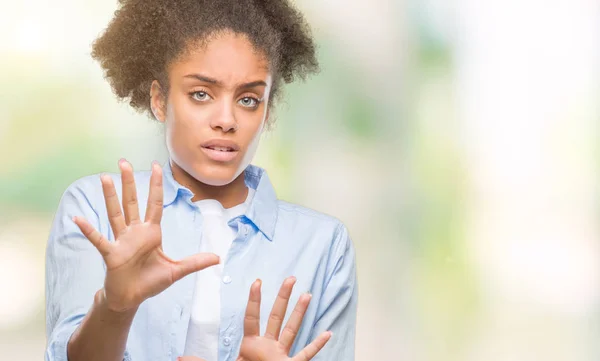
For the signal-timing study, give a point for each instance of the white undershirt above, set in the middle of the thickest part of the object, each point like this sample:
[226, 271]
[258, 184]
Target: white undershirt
[203, 330]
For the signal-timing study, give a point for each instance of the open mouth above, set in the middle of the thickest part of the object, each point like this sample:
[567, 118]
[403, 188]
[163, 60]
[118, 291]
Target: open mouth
[221, 149]
[220, 153]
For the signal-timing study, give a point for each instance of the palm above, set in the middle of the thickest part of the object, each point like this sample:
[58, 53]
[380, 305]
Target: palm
[150, 272]
[263, 349]
[136, 266]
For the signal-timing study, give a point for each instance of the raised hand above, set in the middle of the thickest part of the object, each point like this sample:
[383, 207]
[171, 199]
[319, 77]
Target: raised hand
[274, 346]
[136, 266]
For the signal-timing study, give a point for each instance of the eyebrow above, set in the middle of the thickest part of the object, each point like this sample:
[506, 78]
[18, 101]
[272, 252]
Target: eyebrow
[206, 79]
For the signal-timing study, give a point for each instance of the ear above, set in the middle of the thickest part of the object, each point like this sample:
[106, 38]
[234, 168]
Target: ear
[157, 101]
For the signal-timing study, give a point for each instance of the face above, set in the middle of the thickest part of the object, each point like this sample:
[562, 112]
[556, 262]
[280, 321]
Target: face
[216, 108]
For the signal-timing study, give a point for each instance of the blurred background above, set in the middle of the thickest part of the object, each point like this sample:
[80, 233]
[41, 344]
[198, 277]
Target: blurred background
[458, 140]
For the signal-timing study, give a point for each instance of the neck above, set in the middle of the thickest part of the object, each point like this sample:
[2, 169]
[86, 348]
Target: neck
[229, 195]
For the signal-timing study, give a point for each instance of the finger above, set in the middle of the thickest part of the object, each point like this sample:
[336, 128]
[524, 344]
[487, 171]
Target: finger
[279, 308]
[130, 204]
[113, 208]
[102, 244]
[288, 335]
[313, 348]
[154, 208]
[193, 263]
[252, 317]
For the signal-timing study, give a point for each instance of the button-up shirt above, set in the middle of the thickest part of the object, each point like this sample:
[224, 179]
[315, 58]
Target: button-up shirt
[274, 240]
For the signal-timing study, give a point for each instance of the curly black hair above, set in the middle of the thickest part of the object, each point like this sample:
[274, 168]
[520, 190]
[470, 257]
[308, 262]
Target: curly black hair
[145, 36]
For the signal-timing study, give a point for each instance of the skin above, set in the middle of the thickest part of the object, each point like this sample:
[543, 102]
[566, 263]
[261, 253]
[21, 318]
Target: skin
[275, 344]
[218, 105]
[219, 90]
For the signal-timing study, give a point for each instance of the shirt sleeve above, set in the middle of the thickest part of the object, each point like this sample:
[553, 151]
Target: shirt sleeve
[337, 307]
[74, 268]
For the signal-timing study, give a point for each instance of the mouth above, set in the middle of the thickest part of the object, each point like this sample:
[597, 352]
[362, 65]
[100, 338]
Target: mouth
[220, 150]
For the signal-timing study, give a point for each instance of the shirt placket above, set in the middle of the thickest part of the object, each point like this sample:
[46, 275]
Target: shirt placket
[231, 283]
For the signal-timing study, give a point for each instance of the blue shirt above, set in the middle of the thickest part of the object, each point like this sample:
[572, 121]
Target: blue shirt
[275, 239]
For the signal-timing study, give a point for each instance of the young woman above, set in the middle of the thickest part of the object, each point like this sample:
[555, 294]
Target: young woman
[116, 285]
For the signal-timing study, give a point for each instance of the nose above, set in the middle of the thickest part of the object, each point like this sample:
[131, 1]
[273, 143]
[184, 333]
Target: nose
[224, 119]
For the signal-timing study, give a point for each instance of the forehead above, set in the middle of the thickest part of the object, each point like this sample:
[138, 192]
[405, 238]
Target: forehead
[228, 57]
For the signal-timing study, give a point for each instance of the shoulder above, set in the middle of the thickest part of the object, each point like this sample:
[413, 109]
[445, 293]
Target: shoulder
[319, 239]
[301, 213]
[314, 223]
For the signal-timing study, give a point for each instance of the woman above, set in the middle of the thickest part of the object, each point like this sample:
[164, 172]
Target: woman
[209, 70]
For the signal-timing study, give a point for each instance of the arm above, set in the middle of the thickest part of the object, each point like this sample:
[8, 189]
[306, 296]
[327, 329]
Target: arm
[76, 313]
[136, 269]
[74, 271]
[337, 307]
[101, 324]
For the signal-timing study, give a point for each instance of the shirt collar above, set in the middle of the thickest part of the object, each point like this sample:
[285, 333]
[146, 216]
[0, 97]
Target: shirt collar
[262, 210]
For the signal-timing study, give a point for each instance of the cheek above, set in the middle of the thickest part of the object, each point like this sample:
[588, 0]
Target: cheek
[186, 118]
[251, 123]
[253, 139]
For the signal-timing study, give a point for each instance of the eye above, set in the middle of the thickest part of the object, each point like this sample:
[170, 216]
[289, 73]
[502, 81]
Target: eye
[200, 96]
[249, 102]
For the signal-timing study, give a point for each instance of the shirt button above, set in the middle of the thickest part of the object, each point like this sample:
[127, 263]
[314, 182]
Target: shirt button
[245, 229]
[226, 341]
[226, 279]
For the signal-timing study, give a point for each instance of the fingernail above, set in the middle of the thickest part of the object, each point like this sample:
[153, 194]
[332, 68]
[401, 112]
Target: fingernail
[121, 160]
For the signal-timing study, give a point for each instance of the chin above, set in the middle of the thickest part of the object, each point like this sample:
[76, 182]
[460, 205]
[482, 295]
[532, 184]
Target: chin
[215, 175]
[209, 172]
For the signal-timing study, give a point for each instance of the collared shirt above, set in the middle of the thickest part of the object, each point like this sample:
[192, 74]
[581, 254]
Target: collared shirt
[274, 239]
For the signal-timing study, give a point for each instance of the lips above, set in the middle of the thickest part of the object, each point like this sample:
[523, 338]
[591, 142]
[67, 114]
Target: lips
[220, 150]
[221, 145]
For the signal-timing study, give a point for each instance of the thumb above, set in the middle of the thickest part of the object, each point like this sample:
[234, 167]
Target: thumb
[192, 264]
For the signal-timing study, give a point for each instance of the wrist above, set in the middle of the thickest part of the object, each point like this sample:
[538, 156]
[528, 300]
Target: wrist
[111, 311]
